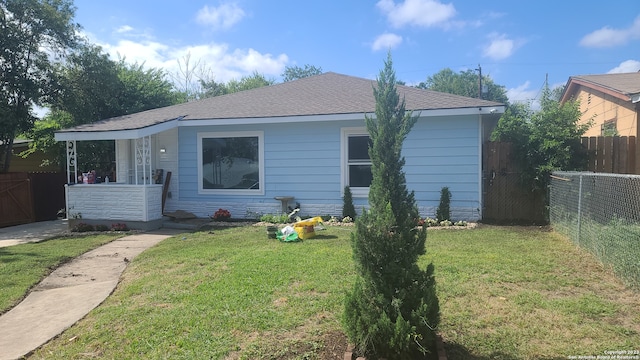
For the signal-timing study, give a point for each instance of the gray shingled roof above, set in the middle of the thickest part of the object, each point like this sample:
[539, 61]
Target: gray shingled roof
[325, 94]
[624, 83]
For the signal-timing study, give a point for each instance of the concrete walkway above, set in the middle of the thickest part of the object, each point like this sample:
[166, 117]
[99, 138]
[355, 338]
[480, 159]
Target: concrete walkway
[33, 232]
[69, 293]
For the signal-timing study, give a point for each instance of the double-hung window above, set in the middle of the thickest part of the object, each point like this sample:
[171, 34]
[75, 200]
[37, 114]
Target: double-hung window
[231, 163]
[356, 161]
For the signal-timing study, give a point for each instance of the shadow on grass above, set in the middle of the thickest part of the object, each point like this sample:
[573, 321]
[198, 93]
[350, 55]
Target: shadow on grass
[458, 352]
[324, 237]
[7, 255]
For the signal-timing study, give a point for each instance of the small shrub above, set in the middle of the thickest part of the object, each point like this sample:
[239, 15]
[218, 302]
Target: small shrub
[348, 210]
[275, 219]
[347, 219]
[119, 227]
[326, 218]
[82, 227]
[431, 222]
[102, 227]
[460, 223]
[221, 215]
[445, 223]
[444, 209]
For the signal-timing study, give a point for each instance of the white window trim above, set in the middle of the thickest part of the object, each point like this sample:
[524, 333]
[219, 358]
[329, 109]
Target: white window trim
[260, 135]
[356, 192]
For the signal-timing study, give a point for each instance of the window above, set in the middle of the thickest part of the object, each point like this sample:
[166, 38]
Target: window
[230, 163]
[357, 164]
[609, 128]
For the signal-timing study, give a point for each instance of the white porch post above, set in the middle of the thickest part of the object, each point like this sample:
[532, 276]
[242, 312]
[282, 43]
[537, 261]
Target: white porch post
[72, 162]
[143, 159]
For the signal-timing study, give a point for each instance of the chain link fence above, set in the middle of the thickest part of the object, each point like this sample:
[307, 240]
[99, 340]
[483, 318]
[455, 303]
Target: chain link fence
[601, 213]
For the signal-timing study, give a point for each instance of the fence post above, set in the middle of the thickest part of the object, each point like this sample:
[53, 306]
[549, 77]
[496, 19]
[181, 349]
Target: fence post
[579, 208]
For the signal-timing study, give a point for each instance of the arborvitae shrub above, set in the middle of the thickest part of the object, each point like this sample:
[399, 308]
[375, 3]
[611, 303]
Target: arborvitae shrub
[393, 309]
[347, 204]
[444, 208]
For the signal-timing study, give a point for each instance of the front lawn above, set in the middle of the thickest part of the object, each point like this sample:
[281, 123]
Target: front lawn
[512, 293]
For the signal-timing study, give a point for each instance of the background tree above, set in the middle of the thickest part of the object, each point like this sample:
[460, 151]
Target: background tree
[33, 33]
[393, 309]
[295, 72]
[211, 88]
[465, 83]
[253, 81]
[544, 140]
[94, 87]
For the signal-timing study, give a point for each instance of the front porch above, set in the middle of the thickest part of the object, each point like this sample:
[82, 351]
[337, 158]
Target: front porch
[114, 202]
[131, 193]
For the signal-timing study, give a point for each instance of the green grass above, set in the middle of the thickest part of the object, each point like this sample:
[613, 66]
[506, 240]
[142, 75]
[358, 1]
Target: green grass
[520, 293]
[23, 266]
[510, 293]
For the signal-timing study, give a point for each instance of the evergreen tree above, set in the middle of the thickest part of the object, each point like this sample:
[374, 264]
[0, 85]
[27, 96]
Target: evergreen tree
[393, 309]
[444, 209]
[347, 204]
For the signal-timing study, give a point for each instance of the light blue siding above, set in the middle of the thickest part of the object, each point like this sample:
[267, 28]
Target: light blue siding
[444, 151]
[304, 160]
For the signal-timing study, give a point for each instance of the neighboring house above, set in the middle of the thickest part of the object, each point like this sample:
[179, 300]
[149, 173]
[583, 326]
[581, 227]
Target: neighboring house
[304, 140]
[611, 100]
[31, 163]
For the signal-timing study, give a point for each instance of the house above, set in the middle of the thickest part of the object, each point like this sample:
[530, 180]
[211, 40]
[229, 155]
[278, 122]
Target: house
[33, 162]
[611, 100]
[257, 151]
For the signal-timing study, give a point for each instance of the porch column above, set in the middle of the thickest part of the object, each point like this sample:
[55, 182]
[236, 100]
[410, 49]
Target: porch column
[143, 160]
[72, 162]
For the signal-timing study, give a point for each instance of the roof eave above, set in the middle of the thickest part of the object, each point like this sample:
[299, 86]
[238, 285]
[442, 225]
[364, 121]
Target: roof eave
[599, 87]
[84, 135]
[479, 110]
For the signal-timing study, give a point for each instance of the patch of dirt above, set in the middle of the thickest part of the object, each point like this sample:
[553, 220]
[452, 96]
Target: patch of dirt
[330, 345]
[335, 345]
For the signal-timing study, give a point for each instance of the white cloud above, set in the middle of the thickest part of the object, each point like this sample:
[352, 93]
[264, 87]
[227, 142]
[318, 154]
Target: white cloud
[500, 47]
[522, 93]
[610, 37]
[221, 17]
[386, 41]
[222, 62]
[626, 67]
[251, 60]
[422, 13]
[151, 53]
[124, 29]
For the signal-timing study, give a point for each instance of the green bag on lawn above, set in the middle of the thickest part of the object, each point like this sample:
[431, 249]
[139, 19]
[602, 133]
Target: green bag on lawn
[292, 237]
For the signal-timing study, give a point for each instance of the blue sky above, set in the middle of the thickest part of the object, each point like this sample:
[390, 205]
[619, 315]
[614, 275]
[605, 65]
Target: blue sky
[515, 42]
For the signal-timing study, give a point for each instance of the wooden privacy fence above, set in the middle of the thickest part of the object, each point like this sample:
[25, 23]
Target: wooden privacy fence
[16, 205]
[613, 154]
[28, 197]
[506, 200]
